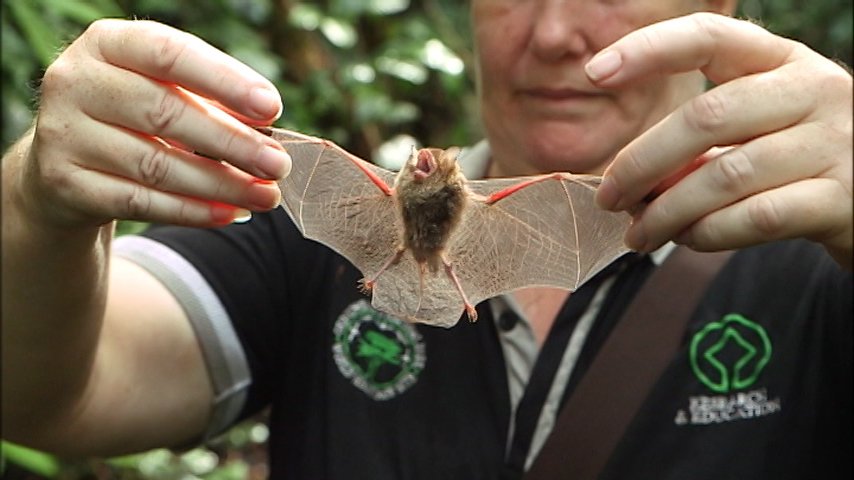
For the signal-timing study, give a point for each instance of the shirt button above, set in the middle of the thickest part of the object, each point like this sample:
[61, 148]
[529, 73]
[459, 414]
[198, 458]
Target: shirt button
[508, 320]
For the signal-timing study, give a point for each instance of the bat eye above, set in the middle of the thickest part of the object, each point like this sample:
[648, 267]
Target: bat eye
[426, 162]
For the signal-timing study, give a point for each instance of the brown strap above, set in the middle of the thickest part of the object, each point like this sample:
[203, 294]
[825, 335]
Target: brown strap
[621, 376]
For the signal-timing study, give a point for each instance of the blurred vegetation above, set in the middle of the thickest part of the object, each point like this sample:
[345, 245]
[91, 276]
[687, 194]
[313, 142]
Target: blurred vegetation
[355, 71]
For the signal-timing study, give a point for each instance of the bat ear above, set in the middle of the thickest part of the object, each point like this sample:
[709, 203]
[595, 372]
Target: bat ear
[452, 153]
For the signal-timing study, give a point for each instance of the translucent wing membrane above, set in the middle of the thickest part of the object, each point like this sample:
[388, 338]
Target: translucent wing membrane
[515, 232]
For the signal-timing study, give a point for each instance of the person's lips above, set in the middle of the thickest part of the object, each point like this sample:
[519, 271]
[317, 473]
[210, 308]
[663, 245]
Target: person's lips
[559, 93]
[559, 101]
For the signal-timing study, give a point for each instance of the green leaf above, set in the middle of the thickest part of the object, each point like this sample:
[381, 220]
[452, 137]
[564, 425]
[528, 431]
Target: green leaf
[82, 12]
[37, 462]
[129, 227]
[234, 470]
[43, 39]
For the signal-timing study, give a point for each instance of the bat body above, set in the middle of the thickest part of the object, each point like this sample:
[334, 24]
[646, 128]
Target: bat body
[430, 196]
[432, 244]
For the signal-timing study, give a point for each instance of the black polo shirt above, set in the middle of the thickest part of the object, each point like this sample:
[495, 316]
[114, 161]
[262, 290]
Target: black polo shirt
[761, 389]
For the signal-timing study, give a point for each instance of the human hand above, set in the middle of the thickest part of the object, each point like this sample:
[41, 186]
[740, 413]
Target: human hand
[781, 111]
[122, 111]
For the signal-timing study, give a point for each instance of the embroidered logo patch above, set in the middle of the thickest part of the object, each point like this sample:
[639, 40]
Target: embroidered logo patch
[730, 354]
[380, 354]
[728, 357]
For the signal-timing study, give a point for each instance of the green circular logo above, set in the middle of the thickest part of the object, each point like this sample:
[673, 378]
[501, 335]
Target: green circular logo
[381, 355]
[729, 354]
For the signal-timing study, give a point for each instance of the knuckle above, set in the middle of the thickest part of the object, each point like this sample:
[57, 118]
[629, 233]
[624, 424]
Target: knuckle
[57, 180]
[649, 41]
[706, 24]
[632, 163]
[184, 215]
[154, 167]
[223, 190]
[833, 81]
[99, 26]
[704, 235]
[51, 130]
[138, 202]
[707, 112]
[233, 145]
[57, 78]
[189, 214]
[735, 171]
[167, 51]
[765, 215]
[168, 109]
[62, 194]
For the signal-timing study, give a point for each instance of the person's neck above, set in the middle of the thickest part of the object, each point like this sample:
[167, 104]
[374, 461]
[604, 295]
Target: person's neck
[540, 305]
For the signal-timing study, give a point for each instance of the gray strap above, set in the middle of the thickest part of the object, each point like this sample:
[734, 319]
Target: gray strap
[627, 366]
[221, 348]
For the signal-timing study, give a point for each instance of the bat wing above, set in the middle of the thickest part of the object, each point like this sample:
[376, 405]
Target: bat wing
[332, 199]
[548, 232]
[539, 231]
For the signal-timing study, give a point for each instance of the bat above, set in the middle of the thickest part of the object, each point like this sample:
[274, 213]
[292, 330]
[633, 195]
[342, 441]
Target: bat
[432, 244]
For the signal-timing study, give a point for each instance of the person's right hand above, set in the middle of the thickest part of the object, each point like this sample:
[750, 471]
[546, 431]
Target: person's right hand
[122, 110]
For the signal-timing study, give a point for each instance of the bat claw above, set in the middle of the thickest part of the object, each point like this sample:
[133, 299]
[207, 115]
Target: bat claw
[366, 286]
[471, 313]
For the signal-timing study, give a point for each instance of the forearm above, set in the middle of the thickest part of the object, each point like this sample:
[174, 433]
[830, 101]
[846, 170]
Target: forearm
[54, 291]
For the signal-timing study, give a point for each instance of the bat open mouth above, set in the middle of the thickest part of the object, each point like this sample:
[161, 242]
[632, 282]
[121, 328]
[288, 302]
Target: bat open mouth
[425, 165]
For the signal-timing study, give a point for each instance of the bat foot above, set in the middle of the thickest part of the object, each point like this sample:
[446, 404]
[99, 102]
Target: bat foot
[471, 313]
[366, 286]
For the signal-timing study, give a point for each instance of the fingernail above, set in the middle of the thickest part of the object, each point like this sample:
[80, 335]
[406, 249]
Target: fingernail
[603, 65]
[222, 214]
[241, 216]
[607, 195]
[265, 103]
[636, 237]
[273, 163]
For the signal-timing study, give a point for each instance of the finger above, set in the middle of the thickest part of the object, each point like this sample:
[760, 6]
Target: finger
[172, 113]
[723, 48]
[810, 208]
[684, 171]
[157, 165]
[726, 115]
[762, 164]
[119, 198]
[173, 56]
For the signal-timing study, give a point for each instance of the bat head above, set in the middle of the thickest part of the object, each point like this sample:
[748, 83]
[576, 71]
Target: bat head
[433, 165]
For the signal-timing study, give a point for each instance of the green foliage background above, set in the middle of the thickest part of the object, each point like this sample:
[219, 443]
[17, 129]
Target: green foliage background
[355, 71]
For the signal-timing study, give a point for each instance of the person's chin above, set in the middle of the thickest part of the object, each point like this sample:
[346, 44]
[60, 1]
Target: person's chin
[566, 153]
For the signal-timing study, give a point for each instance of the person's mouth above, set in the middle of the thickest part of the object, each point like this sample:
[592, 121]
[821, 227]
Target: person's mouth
[559, 93]
[560, 102]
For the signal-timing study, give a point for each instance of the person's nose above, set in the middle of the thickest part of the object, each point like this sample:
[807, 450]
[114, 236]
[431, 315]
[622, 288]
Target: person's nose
[557, 31]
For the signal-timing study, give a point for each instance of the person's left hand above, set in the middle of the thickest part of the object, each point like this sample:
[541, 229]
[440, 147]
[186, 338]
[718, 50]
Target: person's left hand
[784, 115]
